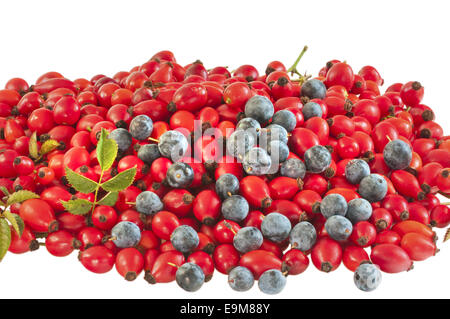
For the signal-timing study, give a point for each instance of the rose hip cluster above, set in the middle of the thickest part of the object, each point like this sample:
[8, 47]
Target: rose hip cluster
[293, 168]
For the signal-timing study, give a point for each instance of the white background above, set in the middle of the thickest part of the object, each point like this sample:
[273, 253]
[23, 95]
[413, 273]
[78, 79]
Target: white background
[405, 40]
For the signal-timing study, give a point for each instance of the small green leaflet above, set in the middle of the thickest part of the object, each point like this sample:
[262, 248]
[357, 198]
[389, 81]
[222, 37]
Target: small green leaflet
[77, 206]
[79, 182]
[4, 190]
[20, 196]
[106, 151]
[16, 222]
[20, 223]
[120, 181]
[33, 146]
[5, 237]
[48, 146]
[109, 199]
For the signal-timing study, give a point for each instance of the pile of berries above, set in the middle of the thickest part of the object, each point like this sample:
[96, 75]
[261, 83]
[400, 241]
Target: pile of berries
[180, 171]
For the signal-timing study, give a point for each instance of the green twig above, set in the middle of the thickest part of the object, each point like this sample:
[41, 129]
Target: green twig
[96, 191]
[293, 68]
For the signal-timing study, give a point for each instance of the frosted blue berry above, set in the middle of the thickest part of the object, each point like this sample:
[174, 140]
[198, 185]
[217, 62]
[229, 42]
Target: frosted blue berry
[278, 151]
[148, 153]
[338, 227]
[173, 145]
[141, 127]
[276, 227]
[125, 234]
[180, 175]
[272, 282]
[311, 109]
[317, 159]
[227, 185]
[286, 119]
[333, 204]
[122, 137]
[247, 239]
[257, 162]
[356, 170]
[397, 154]
[303, 236]
[148, 203]
[367, 277]
[190, 277]
[314, 89]
[294, 168]
[239, 143]
[358, 210]
[235, 208]
[250, 124]
[272, 132]
[260, 108]
[184, 239]
[373, 188]
[240, 279]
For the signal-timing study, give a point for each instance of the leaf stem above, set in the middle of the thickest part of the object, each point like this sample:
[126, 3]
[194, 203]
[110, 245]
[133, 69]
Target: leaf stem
[293, 68]
[96, 191]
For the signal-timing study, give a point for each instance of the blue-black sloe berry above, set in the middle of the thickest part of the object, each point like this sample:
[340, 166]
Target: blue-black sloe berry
[373, 188]
[314, 89]
[260, 108]
[338, 227]
[122, 137]
[235, 208]
[294, 168]
[276, 227]
[148, 203]
[247, 239]
[272, 282]
[356, 170]
[190, 277]
[397, 154]
[141, 127]
[358, 210]
[303, 236]
[367, 277]
[180, 175]
[227, 185]
[184, 238]
[125, 234]
[286, 119]
[240, 279]
[333, 204]
[317, 159]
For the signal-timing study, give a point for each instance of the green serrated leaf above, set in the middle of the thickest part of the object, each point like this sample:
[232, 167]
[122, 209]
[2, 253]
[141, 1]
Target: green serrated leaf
[14, 221]
[120, 181]
[4, 190]
[106, 151]
[48, 146]
[20, 223]
[33, 146]
[77, 206]
[5, 237]
[109, 199]
[80, 183]
[20, 196]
